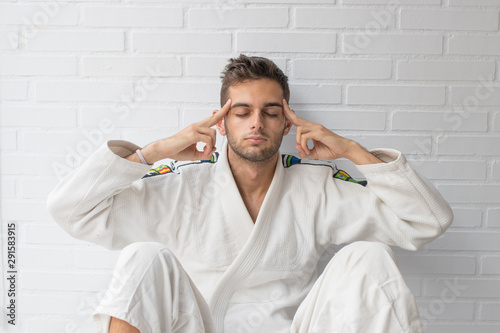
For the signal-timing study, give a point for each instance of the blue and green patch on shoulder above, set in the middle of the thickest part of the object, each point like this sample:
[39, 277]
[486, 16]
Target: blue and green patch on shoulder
[176, 165]
[289, 160]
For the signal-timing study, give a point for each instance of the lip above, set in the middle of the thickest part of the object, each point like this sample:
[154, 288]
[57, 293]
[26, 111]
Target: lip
[256, 139]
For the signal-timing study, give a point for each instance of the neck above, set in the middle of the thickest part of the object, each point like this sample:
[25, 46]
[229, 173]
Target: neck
[252, 178]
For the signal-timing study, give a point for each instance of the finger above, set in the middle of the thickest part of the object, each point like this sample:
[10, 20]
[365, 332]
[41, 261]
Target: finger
[207, 139]
[216, 117]
[303, 144]
[211, 133]
[290, 114]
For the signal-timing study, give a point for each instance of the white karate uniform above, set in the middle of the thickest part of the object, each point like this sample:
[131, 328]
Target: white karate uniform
[253, 277]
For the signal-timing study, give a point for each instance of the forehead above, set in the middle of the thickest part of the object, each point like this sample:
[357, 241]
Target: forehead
[256, 91]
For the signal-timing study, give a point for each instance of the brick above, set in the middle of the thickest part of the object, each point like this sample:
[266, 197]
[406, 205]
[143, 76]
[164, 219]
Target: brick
[474, 44]
[181, 42]
[335, 18]
[39, 15]
[84, 142]
[420, 264]
[490, 265]
[8, 138]
[238, 18]
[31, 257]
[451, 311]
[440, 121]
[489, 311]
[192, 92]
[469, 20]
[132, 66]
[415, 285]
[135, 117]
[444, 70]
[36, 116]
[77, 41]
[96, 259]
[493, 218]
[346, 120]
[483, 94]
[391, 2]
[457, 145]
[27, 165]
[82, 91]
[395, 95]
[53, 322]
[496, 122]
[286, 42]
[142, 16]
[466, 218]
[474, 3]
[39, 65]
[59, 304]
[392, 44]
[8, 189]
[335, 69]
[64, 281]
[496, 171]
[37, 188]
[473, 241]
[462, 288]
[315, 94]
[49, 234]
[407, 144]
[458, 170]
[461, 328]
[24, 211]
[13, 90]
[213, 66]
[9, 39]
[288, 1]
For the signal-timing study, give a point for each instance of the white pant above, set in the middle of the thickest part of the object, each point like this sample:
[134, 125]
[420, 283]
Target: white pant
[360, 291]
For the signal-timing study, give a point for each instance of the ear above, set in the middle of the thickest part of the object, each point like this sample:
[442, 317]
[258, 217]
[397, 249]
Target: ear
[288, 126]
[220, 125]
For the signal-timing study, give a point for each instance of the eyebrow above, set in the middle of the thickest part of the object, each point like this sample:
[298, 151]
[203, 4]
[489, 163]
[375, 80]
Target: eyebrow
[266, 105]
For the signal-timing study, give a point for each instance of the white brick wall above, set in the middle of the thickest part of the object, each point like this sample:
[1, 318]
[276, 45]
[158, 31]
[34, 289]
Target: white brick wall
[421, 76]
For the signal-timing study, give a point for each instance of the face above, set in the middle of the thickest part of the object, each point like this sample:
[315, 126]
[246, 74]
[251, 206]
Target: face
[255, 124]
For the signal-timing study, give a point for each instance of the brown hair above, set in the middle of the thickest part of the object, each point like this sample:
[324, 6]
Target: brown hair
[246, 68]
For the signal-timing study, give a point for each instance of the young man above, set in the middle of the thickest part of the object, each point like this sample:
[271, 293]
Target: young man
[249, 225]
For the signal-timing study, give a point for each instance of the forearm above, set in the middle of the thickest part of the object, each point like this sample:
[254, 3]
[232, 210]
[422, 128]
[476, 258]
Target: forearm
[359, 155]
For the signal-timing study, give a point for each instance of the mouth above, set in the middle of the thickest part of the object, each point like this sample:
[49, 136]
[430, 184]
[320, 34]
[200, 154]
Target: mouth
[256, 139]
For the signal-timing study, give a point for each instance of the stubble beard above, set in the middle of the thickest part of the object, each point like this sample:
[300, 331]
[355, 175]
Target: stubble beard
[254, 155]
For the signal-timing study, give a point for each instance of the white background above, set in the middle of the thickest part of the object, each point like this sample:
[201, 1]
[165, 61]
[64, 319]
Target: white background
[419, 76]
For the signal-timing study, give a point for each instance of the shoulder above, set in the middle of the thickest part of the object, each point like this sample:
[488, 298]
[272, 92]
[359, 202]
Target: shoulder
[309, 167]
[178, 167]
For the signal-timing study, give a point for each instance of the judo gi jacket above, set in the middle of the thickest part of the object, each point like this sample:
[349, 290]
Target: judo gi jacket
[244, 268]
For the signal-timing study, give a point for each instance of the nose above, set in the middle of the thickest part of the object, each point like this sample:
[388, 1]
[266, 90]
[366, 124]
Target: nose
[256, 122]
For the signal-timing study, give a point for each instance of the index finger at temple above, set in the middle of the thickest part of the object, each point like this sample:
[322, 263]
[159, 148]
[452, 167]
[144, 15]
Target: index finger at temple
[289, 114]
[216, 117]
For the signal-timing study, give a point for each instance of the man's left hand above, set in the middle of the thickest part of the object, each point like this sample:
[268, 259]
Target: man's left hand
[326, 144]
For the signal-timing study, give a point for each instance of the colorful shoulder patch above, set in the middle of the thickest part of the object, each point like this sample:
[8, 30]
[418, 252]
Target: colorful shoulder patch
[289, 160]
[175, 165]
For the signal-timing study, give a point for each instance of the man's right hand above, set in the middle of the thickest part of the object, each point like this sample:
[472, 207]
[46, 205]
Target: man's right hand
[182, 146]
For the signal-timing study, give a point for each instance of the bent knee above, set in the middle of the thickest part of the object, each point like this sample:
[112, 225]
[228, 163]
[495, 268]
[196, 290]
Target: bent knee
[143, 252]
[367, 251]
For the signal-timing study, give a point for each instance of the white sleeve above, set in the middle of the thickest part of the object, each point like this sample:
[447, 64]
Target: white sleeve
[105, 201]
[397, 207]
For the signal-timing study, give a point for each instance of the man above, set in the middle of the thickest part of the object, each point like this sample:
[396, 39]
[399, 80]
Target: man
[230, 243]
